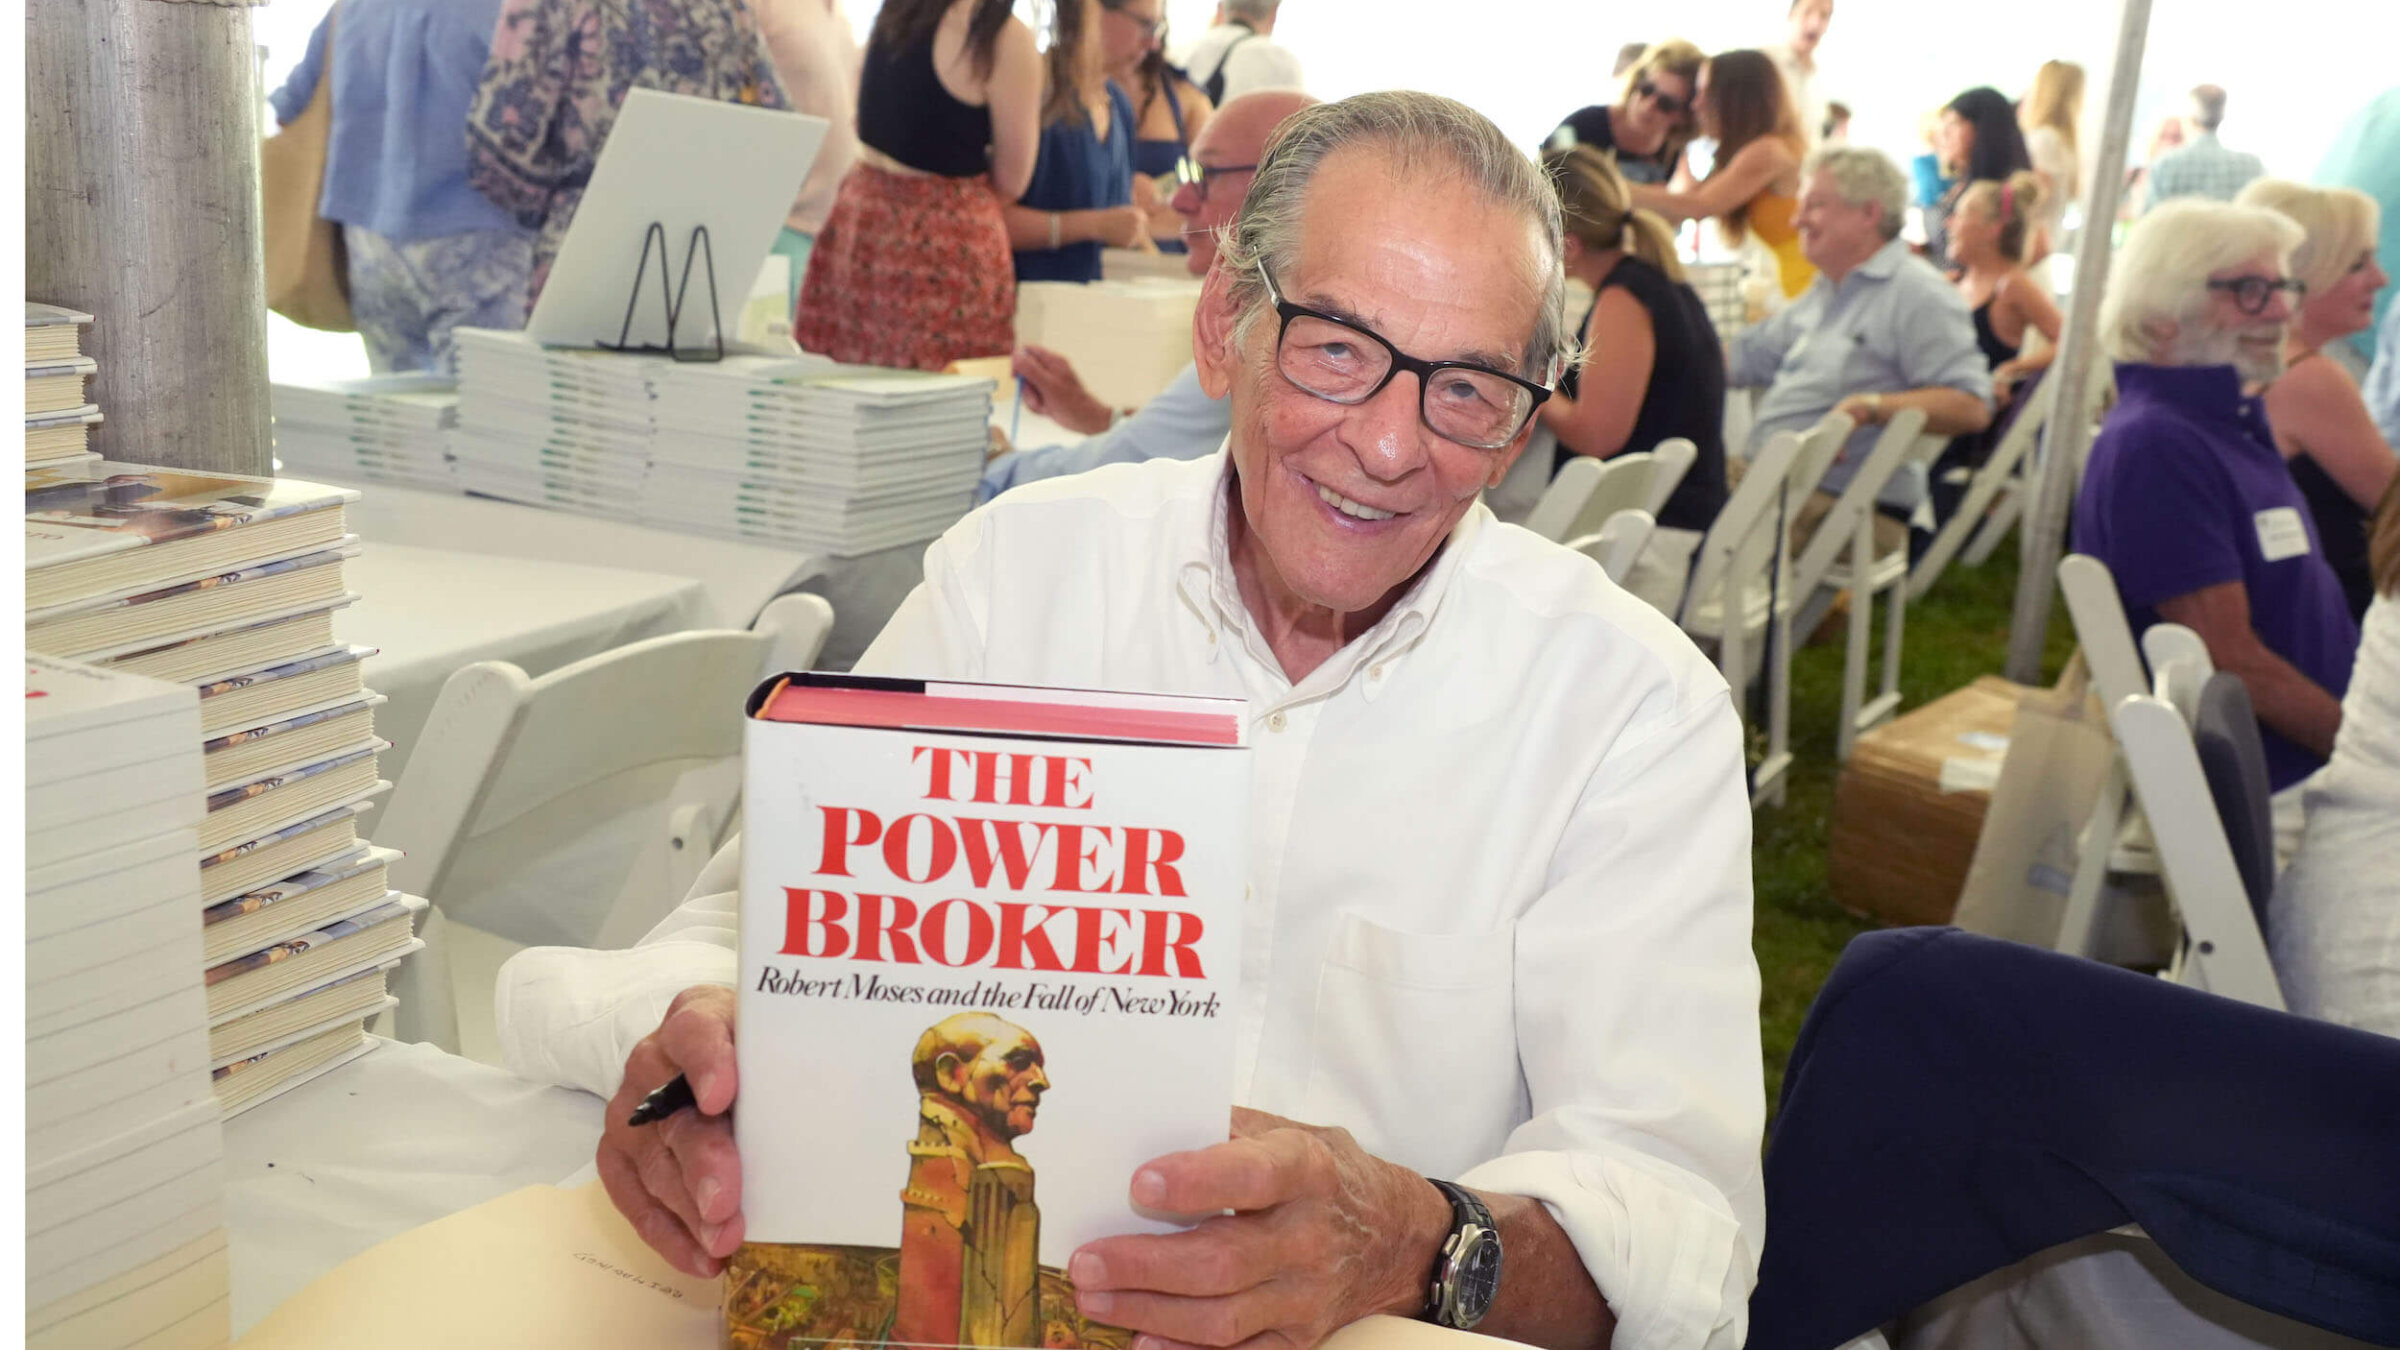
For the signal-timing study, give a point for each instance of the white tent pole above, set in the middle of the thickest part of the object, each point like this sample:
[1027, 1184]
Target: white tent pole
[2069, 435]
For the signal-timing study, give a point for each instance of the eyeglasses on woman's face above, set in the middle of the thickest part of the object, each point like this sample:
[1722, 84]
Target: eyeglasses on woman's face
[1342, 362]
[1153, 25]
[2252, 294]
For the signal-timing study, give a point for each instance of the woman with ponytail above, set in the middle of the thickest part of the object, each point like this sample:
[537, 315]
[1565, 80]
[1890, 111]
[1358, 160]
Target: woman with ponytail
[1651, 368]
[1992, 231]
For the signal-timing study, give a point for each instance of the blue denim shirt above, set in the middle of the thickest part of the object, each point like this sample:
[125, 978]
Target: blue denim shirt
[1893, 324]
[403, 74]
[1183, 422]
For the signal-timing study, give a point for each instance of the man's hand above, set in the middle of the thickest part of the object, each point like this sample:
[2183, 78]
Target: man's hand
[1863, 410]
[1053, 389]
[1321, 1235]
[679, 1182]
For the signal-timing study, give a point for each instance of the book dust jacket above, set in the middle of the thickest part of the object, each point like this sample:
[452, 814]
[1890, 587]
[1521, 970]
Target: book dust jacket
[989, 954]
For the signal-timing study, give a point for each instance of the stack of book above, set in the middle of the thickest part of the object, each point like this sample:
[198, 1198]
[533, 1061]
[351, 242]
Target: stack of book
[227, 585]
[553, 426]
[822, 458]
[58, 422]
[382, 429]
[124, 1185]
[799, 452]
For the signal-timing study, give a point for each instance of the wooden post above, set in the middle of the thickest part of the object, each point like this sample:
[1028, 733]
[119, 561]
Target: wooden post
[2068, 435]
[141, 207]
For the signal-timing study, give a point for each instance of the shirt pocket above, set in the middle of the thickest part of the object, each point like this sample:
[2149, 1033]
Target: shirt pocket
[1413, 1046]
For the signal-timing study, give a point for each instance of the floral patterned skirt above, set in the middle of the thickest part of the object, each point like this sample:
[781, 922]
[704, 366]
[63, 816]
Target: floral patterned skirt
[911, 270]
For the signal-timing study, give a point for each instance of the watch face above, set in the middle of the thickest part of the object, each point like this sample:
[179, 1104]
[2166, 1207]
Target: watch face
[1478, 1275]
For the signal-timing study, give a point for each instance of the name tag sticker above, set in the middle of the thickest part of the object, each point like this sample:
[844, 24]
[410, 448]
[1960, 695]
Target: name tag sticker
[2281, 534]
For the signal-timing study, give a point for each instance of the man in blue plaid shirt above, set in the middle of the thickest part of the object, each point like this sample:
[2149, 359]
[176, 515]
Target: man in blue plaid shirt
[2203, 167]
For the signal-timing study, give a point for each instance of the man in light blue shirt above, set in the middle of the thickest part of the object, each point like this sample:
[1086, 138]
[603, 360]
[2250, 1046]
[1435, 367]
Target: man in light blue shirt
[2203, 167]
[1182, 422]
[1880, 330]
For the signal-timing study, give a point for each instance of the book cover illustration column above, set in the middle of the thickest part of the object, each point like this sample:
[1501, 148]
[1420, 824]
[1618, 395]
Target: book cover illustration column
[955, 930]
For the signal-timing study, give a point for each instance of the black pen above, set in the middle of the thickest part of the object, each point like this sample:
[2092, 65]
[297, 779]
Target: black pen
[664, 1102]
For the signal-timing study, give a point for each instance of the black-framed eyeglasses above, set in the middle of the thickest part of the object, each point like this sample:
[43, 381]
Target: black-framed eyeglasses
[1341, 362]
[1667, 103]
[1193, 174]
[2252, 293]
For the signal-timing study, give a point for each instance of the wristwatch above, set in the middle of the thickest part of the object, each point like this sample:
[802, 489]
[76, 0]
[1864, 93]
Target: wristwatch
[1466, 1275]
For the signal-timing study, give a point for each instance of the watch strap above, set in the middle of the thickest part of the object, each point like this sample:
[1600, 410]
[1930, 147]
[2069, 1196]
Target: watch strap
[1466, 1211]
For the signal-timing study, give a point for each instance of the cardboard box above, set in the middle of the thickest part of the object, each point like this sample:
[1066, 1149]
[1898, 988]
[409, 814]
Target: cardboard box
[1910, 804]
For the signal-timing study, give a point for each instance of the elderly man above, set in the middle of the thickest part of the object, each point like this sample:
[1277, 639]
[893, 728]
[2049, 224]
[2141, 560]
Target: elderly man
[1183, 422]
[2202, 166]
[2185, 496]
[1499, 907]
[1880, 330]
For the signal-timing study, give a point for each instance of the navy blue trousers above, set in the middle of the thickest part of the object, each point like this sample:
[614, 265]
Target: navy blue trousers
[1956, 1104]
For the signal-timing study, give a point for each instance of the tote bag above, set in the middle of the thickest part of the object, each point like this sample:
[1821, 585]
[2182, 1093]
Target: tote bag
[308, 270]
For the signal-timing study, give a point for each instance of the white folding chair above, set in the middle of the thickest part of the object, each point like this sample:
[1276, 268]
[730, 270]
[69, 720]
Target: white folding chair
[1588, 491]
[1618, 543]
[2179, 666]
[1674, 457]
[1740, 588]
[2115, 838]
[2222, 950]
[1841, 556]
[531, 809]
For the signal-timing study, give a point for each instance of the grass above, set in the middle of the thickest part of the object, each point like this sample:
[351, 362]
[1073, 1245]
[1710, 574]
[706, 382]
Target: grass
[1958, 632]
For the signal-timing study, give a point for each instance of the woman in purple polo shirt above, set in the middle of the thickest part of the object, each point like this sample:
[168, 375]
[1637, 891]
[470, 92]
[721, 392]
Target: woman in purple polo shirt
[2186, 497]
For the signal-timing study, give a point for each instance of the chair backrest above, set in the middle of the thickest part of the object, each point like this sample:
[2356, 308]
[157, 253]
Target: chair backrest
[1563, 500]
[1624, 486]
[1839, 528]
[2234, 759]
[2101, 628]
[2224, 951]
[528, 804]
[1674, 457]
[1743, 537]
[1516, 495]
[2179, 666]
[2023, 422]
[1820, 445]
[1618, 543]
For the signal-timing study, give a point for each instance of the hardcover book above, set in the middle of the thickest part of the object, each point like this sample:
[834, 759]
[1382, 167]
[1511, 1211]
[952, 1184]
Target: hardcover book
[115, 529]
[1001, 929]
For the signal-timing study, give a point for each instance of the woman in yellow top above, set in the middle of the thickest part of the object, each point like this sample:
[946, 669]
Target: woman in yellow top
[1753, 187]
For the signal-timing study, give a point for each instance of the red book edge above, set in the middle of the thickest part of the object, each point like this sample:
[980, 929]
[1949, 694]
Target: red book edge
[928, 712]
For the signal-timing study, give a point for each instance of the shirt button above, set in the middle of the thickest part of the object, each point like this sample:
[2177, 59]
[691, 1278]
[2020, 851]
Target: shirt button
[1376, 673]
[1275, 721]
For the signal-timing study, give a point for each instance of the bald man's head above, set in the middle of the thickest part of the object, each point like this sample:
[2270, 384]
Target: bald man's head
[1233, 141]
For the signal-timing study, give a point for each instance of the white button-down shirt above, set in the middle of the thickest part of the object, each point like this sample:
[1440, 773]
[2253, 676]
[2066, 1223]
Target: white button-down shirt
[1499, 916]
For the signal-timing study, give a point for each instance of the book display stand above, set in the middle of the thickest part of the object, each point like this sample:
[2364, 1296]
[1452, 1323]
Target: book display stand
[699, 247]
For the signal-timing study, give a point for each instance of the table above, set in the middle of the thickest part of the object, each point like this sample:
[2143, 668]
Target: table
[430, 611]
[387, 1142]
[736, 578]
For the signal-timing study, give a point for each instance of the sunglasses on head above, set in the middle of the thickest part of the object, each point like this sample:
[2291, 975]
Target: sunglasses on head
[1667, 103]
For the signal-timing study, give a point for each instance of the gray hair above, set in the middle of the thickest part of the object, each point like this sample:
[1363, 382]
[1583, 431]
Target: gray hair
[1254, 10]
[1864, 176]
[1436, 144]
[2208, 107]
[2160, 273]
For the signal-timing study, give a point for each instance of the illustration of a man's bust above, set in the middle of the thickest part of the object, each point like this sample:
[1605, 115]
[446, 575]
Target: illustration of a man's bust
[970, 1237]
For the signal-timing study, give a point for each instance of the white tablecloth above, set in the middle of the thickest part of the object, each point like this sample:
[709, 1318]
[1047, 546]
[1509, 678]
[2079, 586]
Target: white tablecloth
[392, 1140]
[736, 579]
[430, 611]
